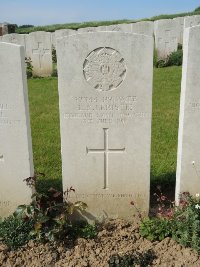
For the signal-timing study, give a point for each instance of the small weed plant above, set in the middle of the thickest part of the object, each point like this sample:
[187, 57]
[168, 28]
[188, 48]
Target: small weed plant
[182, 223]
[29, 67]
[174, 59]
[47, 218]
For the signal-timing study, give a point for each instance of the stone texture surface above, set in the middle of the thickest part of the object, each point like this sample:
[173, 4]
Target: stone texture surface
[191, 21]
[64, 32]
[15, 38]
[39, 49]
[92, 29]
[15, 137]
[143, 27]
[166, 37]
[105, 96]
[179, 28]
[119, 28]
[188, 162]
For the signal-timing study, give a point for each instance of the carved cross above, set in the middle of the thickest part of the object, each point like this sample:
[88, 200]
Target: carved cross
[40, 51]
[106, 151]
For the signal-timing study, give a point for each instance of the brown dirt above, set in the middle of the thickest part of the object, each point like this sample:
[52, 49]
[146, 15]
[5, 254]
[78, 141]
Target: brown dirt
[115, 237]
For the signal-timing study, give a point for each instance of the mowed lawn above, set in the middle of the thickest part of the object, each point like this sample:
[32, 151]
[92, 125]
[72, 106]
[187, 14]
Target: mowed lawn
[43, 100]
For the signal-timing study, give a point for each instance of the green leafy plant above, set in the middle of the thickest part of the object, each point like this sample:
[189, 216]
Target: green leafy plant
[174, 59]
[83, 229]
[136, 259]
[54, 56]
[155, 229]
[182, 222]
[15, 232]
[50, 213]
[29, 67]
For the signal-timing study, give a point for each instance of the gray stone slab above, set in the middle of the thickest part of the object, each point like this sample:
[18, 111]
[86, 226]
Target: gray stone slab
[64, 32]
[16, 161]
[143, 27]
[166, 37]
[119, 28]
[39, 49]
[191, 21]
[15, 38]
[179, 26]
[188, 161]
[105, 97]
[92, 29]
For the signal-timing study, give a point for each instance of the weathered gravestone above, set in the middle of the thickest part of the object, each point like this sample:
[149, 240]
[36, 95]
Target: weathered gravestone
[63, 33]
[119, 28]
[15, 137]
[143, 27]
[105, 92]
[39, 49]
[92, 29]
[166, 37]
[14, 38]
[188, 162]
[179, 28]
[191, 21]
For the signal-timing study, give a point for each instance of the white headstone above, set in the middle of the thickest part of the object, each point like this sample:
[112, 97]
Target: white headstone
[92, 29]
[191, 21]
[15, 38]
[16, 161]
[119, 28]
[179, 26]
[39, 49]
[188, 162]
[143, 27]
[64, 32]
[166, 37]
[105, 95]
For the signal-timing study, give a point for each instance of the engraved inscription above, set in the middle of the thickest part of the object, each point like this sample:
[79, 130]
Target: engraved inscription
[4, 204]
[111, 195]
[104, 69]
[106, 151]
[6, 111]
[194, 106]
[105, 109]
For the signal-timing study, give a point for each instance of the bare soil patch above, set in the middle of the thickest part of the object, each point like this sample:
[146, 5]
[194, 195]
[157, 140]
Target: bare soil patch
[115, 237]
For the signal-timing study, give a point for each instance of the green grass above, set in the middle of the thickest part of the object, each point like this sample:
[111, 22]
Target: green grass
[43, 98]
[43, 101]
[166, 100]
[75, 26]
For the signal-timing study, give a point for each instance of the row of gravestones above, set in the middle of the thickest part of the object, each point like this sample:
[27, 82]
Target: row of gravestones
[38, 45]
[105, 101]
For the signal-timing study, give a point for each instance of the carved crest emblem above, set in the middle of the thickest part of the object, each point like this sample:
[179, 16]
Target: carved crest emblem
[104, 69]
